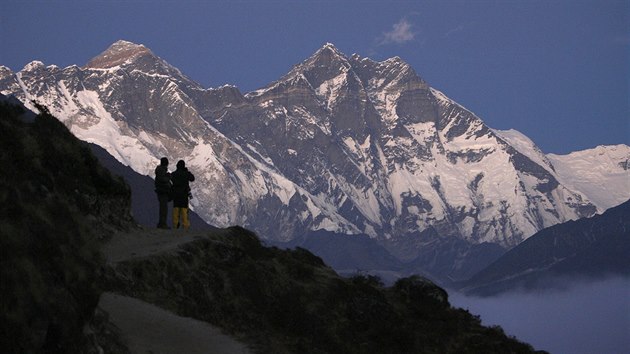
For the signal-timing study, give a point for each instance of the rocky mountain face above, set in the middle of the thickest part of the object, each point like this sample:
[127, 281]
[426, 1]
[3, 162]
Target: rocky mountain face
[343, 144]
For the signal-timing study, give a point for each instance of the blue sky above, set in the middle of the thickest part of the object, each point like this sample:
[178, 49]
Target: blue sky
[558, 71]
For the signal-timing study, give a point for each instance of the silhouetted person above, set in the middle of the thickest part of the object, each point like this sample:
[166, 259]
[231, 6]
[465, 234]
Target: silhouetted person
[181, 191]
[163, 190]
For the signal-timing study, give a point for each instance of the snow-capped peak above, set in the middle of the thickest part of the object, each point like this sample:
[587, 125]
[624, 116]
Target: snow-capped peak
[601, 173]
[34, 65]
[396, 60]
[121, 43]
[387, 73]
[5, 71]
[330, 48]
[326, 64]
[327, 56]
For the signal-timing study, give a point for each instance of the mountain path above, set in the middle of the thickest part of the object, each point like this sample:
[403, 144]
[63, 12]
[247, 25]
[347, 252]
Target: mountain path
[145, 242]
[147, 328]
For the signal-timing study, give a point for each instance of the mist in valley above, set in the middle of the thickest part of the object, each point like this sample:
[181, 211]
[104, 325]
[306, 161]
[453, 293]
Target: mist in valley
[577, 317]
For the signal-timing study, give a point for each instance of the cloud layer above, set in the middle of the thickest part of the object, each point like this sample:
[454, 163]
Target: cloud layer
[587, 318]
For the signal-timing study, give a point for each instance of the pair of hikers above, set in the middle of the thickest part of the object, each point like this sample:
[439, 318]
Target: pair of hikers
[173, 186]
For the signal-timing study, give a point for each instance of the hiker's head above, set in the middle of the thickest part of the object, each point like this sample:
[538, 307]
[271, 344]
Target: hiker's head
[164, 161]
[181, 164]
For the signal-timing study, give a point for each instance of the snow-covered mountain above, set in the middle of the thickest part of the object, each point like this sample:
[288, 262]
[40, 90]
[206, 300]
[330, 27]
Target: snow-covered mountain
[602, 174]
[344, 144]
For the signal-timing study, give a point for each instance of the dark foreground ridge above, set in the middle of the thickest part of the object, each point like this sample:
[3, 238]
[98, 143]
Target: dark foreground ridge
[68, 241]
[289, 301]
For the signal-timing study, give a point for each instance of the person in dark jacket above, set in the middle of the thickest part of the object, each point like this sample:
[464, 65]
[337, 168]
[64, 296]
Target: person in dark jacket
[181, 191]
[163, 190]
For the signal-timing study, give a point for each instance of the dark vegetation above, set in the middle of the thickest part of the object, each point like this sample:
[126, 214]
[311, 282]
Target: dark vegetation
[57, 207]
[56, 202]
[289, 301]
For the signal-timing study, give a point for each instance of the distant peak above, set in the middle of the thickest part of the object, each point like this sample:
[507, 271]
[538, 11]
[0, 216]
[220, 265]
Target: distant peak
[328, 55]
[124, 43]
[125, 46]
[328, 49]
[118, 53]
[396, 61]
[329, 46]
[34, 65]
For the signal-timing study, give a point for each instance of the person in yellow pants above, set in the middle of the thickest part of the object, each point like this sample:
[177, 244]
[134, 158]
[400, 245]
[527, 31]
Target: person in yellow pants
[180, 218]
[181, 179]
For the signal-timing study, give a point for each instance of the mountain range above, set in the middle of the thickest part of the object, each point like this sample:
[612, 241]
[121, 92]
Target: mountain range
[341, 145]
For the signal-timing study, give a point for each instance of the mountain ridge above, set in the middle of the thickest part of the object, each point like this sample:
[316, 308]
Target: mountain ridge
[373, 149]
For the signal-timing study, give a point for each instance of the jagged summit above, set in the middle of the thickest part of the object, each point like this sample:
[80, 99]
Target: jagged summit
[34, 65]
[394, 68]
[330, 68]
[117, 54]
[329, 50]
[325, 64]
[327, 61]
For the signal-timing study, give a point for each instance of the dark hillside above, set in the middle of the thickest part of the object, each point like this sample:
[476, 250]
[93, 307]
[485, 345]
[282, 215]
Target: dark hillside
[289, 301]
[56, 202]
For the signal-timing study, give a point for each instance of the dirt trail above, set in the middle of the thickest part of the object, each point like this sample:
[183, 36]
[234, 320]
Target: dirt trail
[146, 242]
[147, 328]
